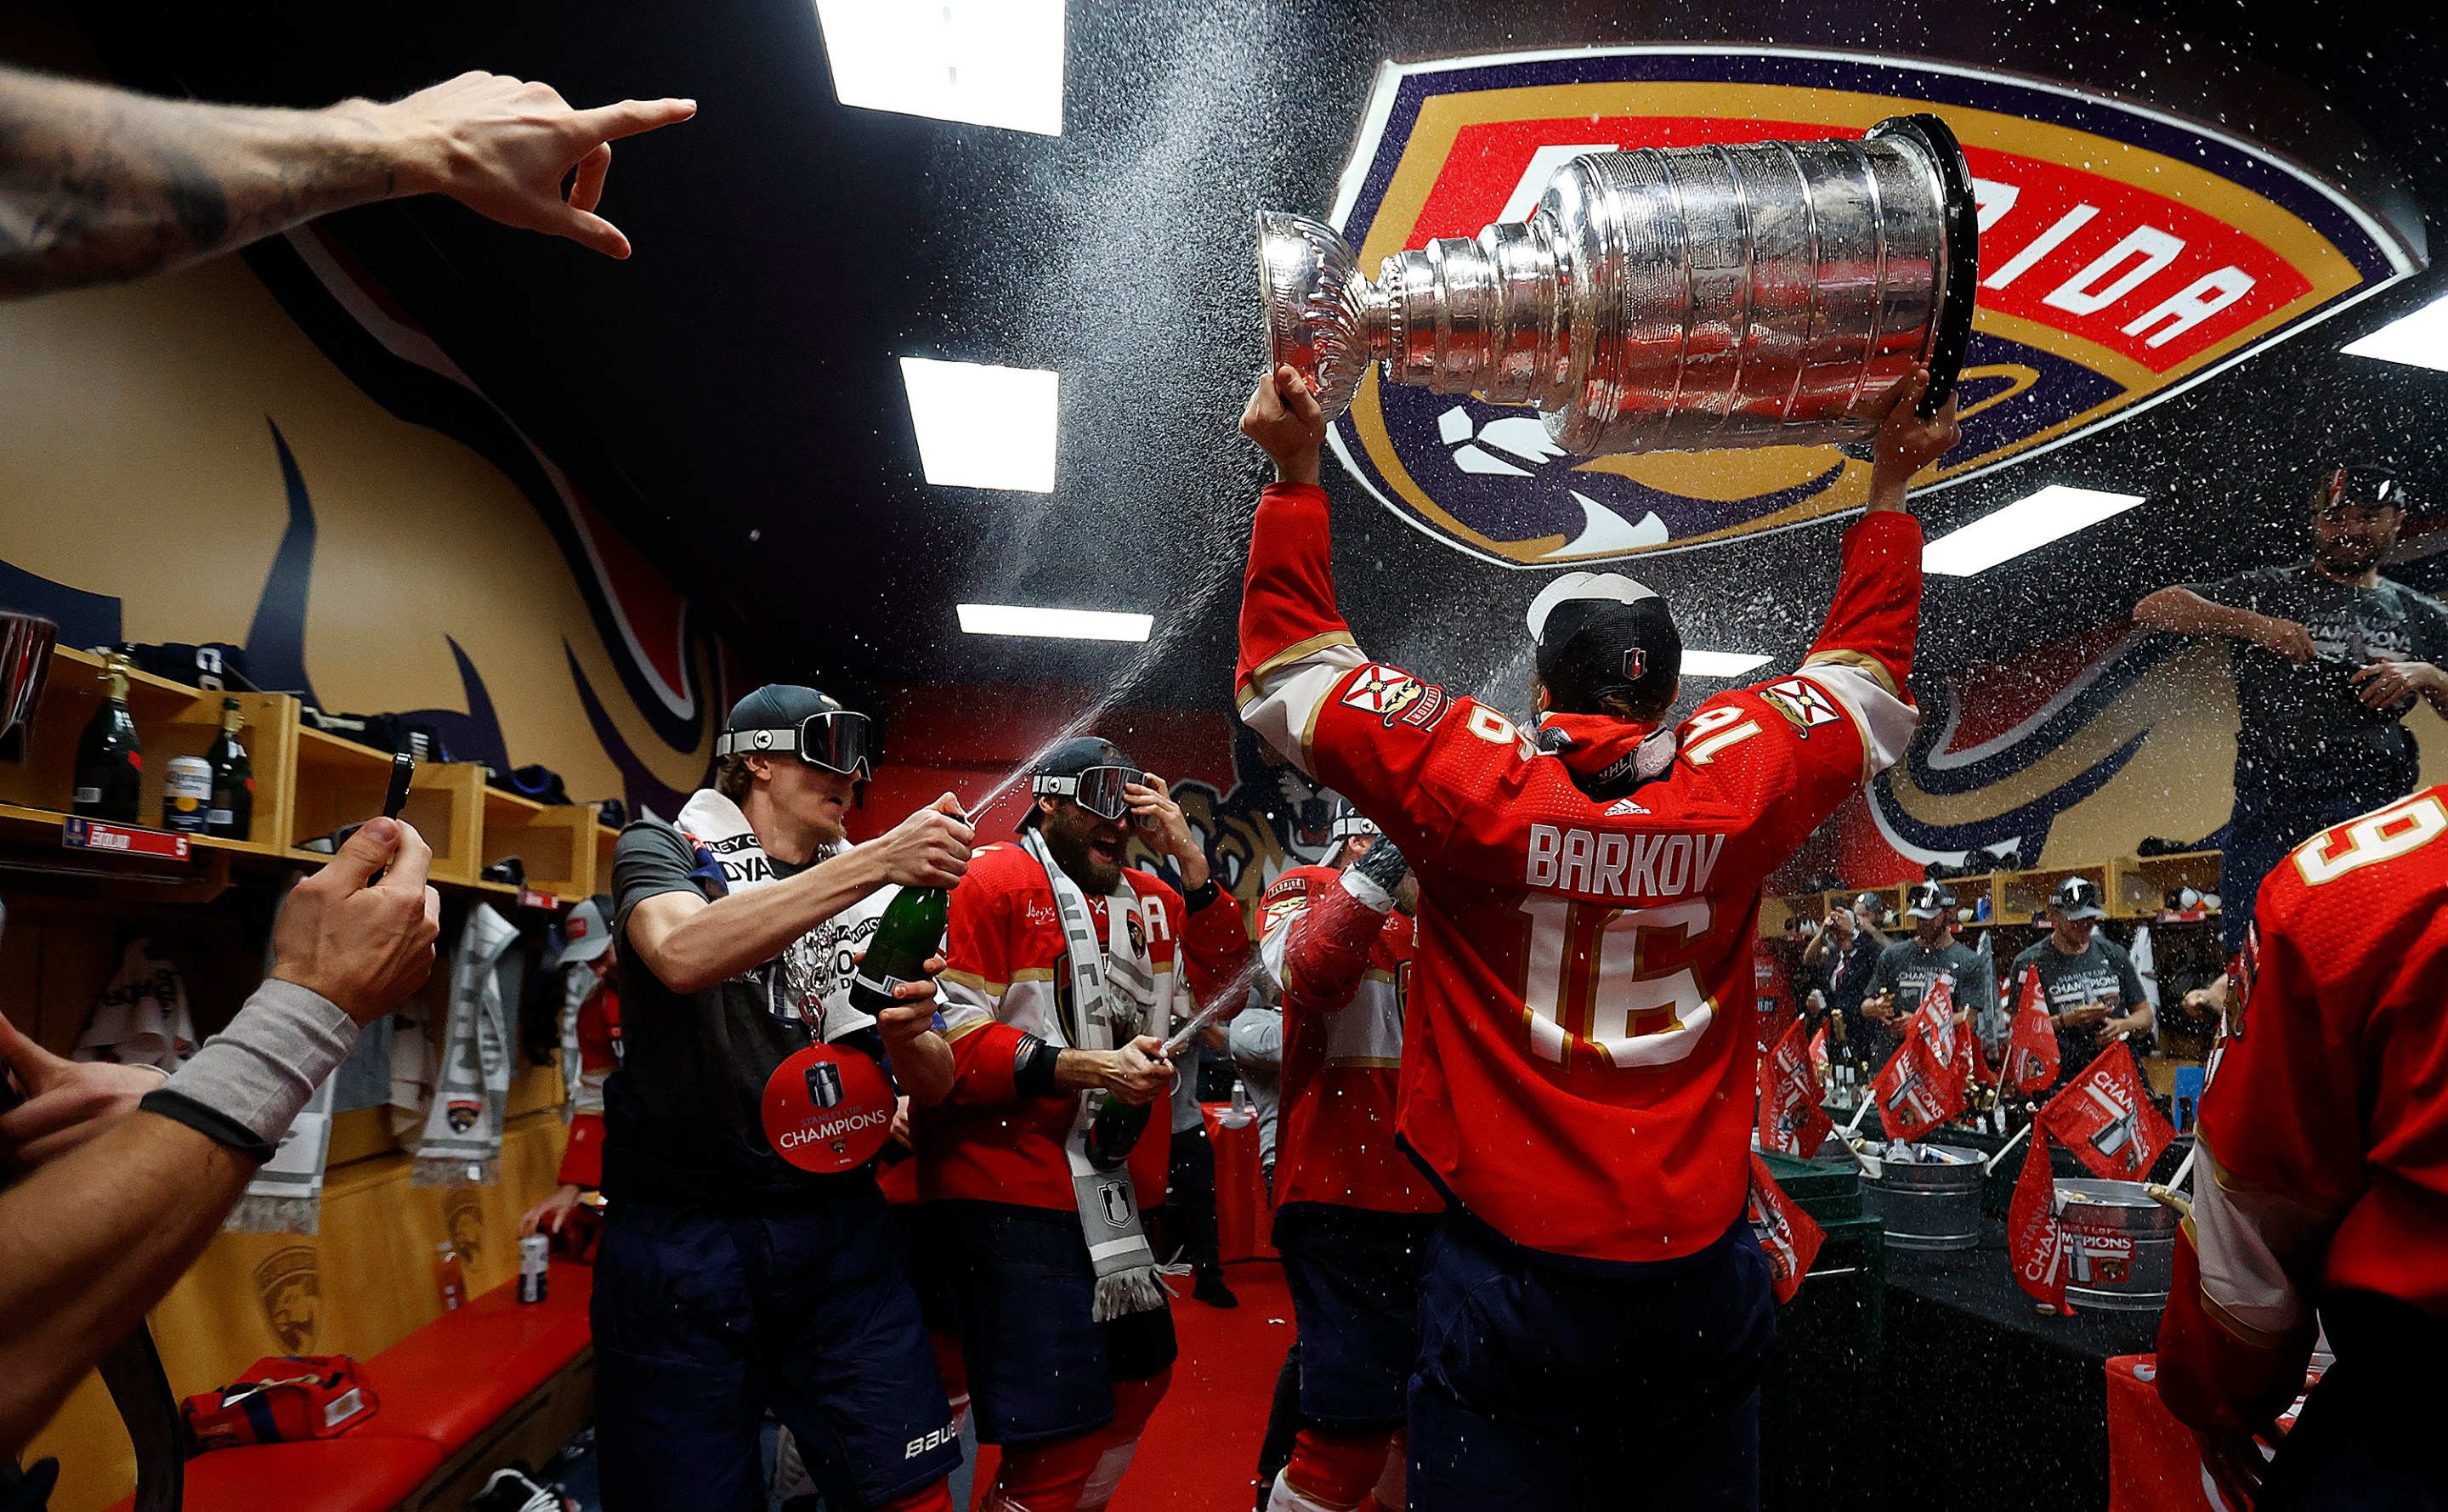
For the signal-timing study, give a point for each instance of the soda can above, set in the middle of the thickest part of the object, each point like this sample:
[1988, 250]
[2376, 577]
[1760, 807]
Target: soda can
[534, 1254]
[186, 794]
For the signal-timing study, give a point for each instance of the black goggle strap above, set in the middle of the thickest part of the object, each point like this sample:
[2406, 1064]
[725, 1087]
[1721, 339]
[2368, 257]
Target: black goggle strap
[1099, 789]
[837, 741]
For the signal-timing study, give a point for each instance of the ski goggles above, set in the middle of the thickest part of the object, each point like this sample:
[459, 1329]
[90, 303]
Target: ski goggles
[1099, 789]
[1349, 825]
[839, 740]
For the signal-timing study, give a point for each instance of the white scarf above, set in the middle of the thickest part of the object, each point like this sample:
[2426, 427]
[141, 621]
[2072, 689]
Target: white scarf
[1114, 998]
[815, 968]
[463, 1130]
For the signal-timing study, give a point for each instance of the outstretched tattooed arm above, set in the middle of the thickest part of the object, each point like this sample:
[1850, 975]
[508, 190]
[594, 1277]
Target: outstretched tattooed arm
[98, 185]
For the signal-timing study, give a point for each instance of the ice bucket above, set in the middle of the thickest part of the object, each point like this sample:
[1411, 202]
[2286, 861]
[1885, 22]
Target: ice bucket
[2120, 1245]
[1932, 1206]
[1666, 298]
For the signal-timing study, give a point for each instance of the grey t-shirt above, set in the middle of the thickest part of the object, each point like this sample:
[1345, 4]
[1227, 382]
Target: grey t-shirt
[2304, 728]
[2103, 973]
[1907, 968]
[682, 1120]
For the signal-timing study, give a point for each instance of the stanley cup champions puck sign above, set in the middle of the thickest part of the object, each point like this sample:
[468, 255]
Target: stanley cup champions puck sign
[827, 1109]
[2124, 254]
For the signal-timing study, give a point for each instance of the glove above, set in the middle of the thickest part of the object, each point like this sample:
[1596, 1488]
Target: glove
[1373, 878]
[1384, 865]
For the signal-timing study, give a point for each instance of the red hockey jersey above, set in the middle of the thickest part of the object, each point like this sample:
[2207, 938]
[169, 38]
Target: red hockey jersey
[599, 1056]
[1007, 975]
[1579, 1051]
[1342, 1046]
[2322, 1156]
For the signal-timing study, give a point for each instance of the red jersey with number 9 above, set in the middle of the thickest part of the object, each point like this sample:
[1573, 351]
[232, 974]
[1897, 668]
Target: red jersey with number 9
[2321, 1162]
[1580, 1054]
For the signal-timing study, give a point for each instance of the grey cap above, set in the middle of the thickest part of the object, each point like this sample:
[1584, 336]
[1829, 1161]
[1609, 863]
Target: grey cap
[587, 931]
[2078, 898]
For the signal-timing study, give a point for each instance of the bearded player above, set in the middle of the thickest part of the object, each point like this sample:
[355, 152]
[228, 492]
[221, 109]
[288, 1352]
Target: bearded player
[2320, 1197]
[1065, 967]
[1580, 1048]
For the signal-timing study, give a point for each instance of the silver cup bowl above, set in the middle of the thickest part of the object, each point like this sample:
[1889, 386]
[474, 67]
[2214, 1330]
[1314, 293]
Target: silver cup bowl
[1664, 299]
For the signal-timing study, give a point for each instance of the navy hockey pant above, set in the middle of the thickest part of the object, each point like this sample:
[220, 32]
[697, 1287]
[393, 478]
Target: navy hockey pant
[1550, 1386]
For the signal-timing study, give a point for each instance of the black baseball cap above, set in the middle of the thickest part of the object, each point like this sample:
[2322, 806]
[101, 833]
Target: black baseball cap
[1598, 633]
[2078, 898]
[2360, 485]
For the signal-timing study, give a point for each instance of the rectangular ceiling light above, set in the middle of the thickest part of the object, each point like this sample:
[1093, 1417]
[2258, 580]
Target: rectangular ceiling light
[992, 62]
[1721, 663]
[1054, 625]
[2025, 525]
[2418, 340]
[984, 427]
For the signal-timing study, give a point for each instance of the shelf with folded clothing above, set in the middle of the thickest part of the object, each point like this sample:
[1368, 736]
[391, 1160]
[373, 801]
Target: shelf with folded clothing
[554, 843]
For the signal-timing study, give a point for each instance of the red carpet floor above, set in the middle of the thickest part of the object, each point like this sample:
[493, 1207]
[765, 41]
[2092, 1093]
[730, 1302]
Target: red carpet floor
[1200, 1453]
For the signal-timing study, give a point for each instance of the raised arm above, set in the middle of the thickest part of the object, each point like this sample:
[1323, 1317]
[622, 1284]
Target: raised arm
[1875, 615]
[2181, 611]
[1328, 941]
[98, 185]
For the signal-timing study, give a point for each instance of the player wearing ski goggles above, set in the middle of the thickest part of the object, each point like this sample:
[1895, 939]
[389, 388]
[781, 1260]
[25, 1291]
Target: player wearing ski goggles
[1097, 789]
[840, 740]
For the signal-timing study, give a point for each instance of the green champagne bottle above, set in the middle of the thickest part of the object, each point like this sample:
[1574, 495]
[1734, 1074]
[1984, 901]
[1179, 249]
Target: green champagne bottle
[231, 813]
[1115, 1130]
[109, 781]
[910, 931]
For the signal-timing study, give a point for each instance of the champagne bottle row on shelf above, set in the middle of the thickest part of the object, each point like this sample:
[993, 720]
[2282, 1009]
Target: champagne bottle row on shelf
[209, 795]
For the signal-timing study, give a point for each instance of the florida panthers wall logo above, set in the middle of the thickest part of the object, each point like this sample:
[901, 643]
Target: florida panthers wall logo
[2125, 255]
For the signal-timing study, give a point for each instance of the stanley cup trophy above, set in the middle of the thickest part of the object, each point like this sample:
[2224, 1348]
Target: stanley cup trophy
[1664, 299]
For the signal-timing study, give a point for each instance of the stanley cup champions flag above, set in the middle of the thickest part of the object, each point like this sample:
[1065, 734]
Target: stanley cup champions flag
[1792, 1121]
[2125, 255]
[1922, 1085]
[2106, 1116]
[1788, 1235]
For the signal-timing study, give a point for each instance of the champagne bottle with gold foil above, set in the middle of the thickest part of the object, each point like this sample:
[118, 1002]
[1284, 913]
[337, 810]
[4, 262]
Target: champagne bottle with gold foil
[109, 779]
[231, 813]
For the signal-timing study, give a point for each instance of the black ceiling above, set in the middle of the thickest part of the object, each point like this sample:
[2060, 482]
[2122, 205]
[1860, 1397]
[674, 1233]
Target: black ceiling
[731, 395]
